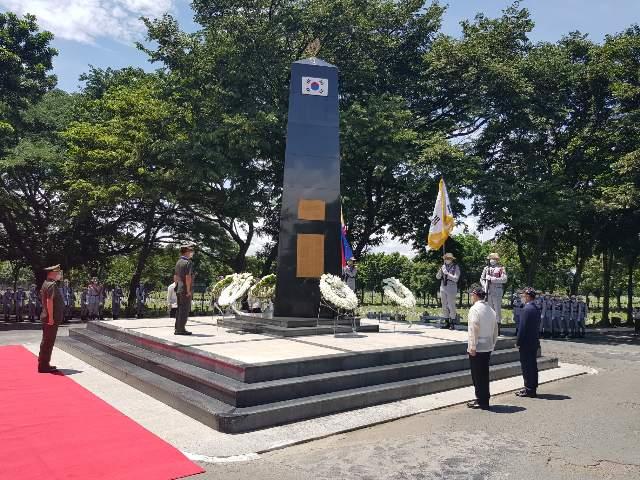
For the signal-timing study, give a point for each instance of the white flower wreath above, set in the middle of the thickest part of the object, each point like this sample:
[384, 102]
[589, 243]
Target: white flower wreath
[236, 289]
[335, 292]
[220, 285]
[398, 293]
[265, 289]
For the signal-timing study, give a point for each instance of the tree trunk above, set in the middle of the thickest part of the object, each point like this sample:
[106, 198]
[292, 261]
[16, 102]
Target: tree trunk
[607, 261]
[630, 267]
[271, 257]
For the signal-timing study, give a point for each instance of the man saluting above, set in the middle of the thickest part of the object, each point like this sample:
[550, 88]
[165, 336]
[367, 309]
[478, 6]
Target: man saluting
[52, 315]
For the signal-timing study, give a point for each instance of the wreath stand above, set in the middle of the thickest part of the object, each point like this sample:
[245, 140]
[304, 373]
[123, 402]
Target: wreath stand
[335, 318]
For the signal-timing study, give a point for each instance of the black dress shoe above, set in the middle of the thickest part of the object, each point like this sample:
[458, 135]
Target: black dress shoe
[185, 332]
[477, 406]
[524, 393]
[47, 369]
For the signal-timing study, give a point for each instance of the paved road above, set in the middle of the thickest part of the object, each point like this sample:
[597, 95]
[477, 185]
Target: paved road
[581, 428]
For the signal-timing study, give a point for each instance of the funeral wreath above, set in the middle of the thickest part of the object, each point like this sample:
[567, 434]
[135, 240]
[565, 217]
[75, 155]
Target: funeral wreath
[336, 293]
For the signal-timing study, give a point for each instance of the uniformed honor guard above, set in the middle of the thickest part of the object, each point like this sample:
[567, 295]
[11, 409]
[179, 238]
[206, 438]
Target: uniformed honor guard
[84, 307]
[52, 315]
[547, 315]
[69, 301]
[349, 273]
[183, 277]
[517, 310]
[8, 303]
[492, 280]
[141, 299]
[566, 315]
[556, 325]
[21, 296]
[449, 274]
[116, 301]
[528, 343]
[35, 306]
[94, 296]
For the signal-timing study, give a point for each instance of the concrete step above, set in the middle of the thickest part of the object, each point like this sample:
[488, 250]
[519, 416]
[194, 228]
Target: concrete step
[241, 394]
[192, 403]
[261, 372]
[226, 418]
[262, 416]
[294, 322]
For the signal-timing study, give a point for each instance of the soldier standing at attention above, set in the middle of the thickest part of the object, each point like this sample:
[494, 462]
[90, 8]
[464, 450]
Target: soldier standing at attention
[492, 280]
[349, 274]
[556, 317]
[20, 298]
[183, 278]
[69, 300]
[84, 308]
[116, 300]
[517, 311]
[528, 344]
[34, 304]
[141, 299]
[94, 294]
[7, 302]
[52, 316]
[566, 314]
[449, 274]
[547, 315]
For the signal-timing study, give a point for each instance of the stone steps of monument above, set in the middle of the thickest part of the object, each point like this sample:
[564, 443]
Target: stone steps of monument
[300, 367]
[291, 330]
[242, 394]
[227, 418]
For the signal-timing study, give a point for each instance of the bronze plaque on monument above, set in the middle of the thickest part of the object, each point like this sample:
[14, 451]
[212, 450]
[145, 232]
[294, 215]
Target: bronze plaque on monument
[311, 210]
[310, 250]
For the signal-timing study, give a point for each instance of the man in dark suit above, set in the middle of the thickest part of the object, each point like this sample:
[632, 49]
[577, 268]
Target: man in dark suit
[528, 343]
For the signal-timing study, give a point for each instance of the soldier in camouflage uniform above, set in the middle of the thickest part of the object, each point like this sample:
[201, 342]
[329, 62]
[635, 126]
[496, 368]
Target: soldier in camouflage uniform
[69, 301]
[116, 301]
[94, 297]
[141, 299]
[556, 325]
[583, 312]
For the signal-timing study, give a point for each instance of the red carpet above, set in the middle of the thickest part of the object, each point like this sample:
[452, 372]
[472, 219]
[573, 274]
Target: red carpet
[52, 428]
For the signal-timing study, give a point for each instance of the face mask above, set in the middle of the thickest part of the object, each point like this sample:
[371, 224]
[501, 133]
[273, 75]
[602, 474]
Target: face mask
[493, 263]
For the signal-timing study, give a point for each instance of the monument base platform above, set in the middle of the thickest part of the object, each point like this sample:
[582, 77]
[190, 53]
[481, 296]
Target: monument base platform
[237, 381]
[294, 327]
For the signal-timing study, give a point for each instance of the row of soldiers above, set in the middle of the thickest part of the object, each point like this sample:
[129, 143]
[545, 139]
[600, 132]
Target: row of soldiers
[92, 300]
[561, 316]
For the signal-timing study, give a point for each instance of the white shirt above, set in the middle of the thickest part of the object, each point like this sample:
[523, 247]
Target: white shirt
[483, 327]
[172, 298]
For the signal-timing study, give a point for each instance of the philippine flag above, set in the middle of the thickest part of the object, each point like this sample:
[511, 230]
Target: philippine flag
[347, 253]
[315, 86]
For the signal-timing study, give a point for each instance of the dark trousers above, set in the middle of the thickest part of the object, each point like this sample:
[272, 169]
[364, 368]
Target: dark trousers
[480, 376]
[182, 315]
[529, 365]
[173, 312]
[49, 333]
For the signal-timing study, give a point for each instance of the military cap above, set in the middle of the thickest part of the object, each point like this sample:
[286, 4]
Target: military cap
[448, 256]
[478, 291]
[493, 256]
[187, 247]
[55, 268]
[529, 291]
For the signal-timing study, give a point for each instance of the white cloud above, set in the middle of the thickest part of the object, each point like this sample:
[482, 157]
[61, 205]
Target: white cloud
[88, 20]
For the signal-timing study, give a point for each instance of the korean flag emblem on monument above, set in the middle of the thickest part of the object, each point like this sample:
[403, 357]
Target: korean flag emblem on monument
[315, 86]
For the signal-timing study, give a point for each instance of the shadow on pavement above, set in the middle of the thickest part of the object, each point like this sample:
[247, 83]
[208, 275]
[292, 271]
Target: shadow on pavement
[506, 409]
[605, 338]
[68, 371]
[551, 396]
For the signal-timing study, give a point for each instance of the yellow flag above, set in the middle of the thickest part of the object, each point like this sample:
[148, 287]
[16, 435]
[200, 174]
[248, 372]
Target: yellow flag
[442, 219]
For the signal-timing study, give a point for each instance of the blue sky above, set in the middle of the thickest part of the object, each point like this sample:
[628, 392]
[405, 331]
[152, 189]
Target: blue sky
[102, 32]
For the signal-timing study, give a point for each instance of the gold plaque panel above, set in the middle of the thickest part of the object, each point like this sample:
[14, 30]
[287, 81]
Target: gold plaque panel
[310, 258]
[311, 210]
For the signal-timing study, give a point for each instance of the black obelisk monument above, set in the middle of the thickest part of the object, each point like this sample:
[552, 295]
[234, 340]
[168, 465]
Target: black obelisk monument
[310, 220]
